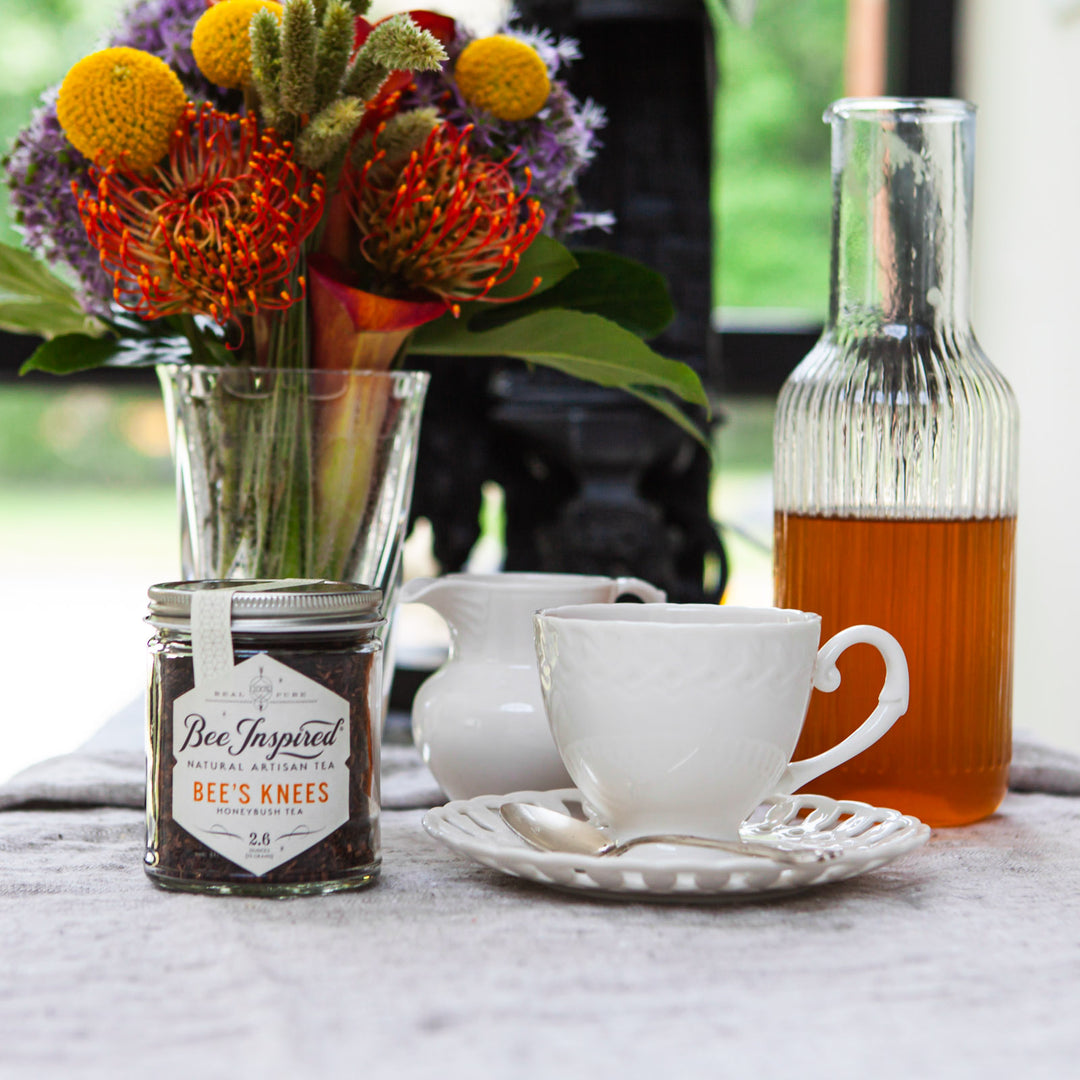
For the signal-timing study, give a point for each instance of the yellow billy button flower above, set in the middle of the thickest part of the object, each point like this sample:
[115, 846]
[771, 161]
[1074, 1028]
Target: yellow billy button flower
[503, 75]
[221, 44]
[121, 101]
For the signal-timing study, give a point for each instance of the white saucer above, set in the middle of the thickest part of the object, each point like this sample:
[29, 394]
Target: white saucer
[868, 837]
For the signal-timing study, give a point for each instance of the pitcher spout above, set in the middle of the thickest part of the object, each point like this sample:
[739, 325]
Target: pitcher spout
[456, 597]
[434, 592]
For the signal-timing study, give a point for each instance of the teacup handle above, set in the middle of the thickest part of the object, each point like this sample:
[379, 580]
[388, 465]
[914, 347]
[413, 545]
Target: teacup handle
[892, 702]
[633, 586]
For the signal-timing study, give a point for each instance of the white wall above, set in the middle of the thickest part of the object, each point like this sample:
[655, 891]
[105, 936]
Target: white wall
[1020, 64]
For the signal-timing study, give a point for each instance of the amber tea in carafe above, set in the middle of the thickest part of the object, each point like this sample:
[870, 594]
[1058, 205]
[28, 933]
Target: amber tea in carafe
[895, 469]
[947, 761]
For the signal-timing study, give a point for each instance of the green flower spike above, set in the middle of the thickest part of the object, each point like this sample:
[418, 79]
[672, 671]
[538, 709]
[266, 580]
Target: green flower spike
[332, 52]
[307, 88]
[402, 134]
[266, 65]
[397, 44]
[329, 132]
[298, 35]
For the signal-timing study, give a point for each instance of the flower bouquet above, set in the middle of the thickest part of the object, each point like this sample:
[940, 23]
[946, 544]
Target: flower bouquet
[275, 203]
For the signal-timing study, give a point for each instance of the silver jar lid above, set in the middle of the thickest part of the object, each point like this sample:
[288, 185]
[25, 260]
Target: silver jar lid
[278, 607]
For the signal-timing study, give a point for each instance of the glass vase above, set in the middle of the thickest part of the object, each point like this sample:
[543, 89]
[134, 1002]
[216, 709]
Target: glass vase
[895, 469]
[293, 473]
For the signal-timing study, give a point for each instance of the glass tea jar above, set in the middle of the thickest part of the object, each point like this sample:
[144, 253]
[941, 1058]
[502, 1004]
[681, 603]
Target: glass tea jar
[896, 469]
[264, 731]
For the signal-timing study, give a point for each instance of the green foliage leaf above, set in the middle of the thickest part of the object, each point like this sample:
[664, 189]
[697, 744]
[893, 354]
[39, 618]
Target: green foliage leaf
[72, 352]
[33, 300]
[544, 258]
[673, 413]
[621, 289]
[577, 343]
[46, 318]
[24, 275]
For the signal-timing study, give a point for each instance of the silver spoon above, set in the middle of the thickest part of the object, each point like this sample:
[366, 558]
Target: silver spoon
[550, 830]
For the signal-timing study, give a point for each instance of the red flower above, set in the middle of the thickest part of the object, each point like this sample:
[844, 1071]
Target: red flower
[445, 223]
[216, 230]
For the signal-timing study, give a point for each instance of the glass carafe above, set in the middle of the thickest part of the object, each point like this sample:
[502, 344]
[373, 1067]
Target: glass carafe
[895, 469]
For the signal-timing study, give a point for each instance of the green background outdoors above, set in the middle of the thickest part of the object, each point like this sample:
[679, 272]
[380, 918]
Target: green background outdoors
[771, 200]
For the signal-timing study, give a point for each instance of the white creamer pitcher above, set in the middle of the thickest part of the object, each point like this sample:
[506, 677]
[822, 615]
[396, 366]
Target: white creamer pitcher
[479, 721]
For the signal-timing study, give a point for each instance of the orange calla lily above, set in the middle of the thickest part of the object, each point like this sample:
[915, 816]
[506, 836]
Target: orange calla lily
[354, 329]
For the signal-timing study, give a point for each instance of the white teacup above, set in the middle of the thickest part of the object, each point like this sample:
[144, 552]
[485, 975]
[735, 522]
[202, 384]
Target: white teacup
[681, 718]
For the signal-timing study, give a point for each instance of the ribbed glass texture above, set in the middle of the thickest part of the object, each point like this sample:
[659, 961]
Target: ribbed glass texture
[896, 468]
[896, 411]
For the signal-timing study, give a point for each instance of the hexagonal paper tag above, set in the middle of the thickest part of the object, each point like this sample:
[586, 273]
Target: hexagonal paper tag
[260, 769]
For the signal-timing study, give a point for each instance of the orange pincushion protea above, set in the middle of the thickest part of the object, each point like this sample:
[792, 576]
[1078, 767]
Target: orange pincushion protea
[216, 229]
[445, 223]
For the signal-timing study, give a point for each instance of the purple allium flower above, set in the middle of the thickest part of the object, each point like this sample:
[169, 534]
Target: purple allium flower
[40, 171]
[555, 146]
[42, 163]
[555, 52]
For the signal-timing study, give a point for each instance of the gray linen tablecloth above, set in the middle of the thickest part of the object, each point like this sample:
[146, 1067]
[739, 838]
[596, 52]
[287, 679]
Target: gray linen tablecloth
[959, 960]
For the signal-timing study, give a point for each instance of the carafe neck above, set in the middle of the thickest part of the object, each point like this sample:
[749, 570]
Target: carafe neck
[902, 173]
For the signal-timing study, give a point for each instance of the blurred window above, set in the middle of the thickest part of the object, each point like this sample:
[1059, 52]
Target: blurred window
[772, 197]
[772, 191]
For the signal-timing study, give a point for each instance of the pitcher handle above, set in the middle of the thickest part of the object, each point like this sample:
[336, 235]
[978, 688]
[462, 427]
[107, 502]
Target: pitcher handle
[892, 702]
[633, 586]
